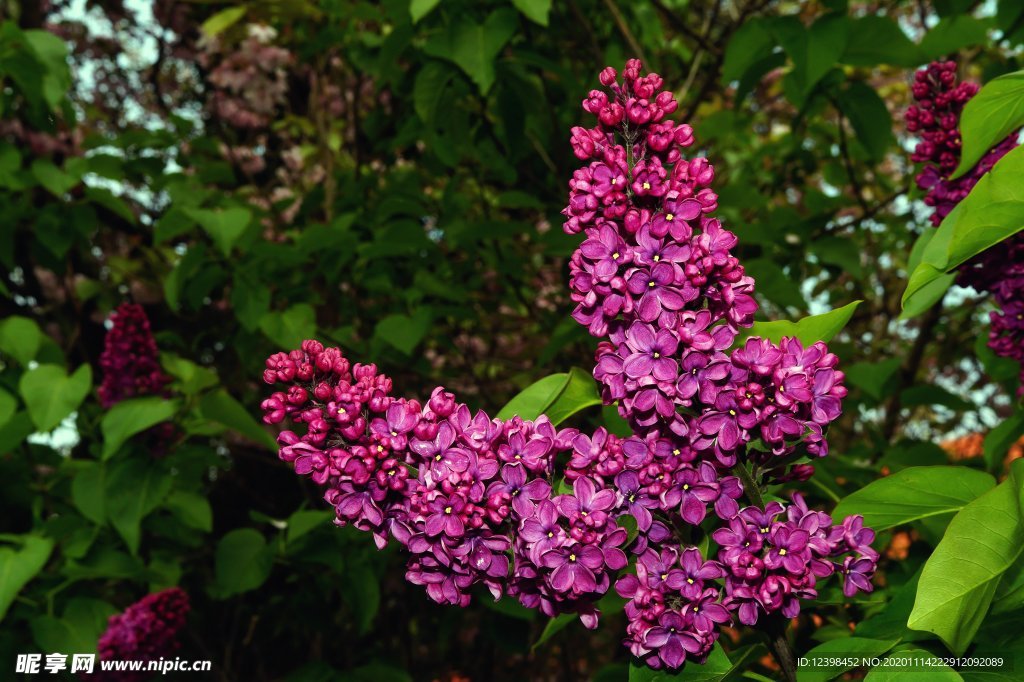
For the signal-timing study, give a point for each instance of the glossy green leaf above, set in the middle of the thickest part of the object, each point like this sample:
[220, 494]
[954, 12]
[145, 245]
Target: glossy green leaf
[473, 47]
[134, 489]
[961, 576]
[992, 212]
[913, 494]
[223, 20]
[999, 440]
[536, 11]
[421, 8]
[751, 43]
[954, 33]
[579, 393]
[869, 117]
[133, 416]
[18, 566]
[51, 395]
[242, 562]
[879, 40]
[53, 179]
[989, 117]
[821, 327]
[20, 338]
[77, 631]
[405, 332]
[192, 509]
[221, 407]
[533, 400]
[8, 406]
[288, 329]
[89, 491]
[225, 226]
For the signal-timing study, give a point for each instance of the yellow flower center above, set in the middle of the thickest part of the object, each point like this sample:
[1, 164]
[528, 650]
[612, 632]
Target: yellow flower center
[647, 185]
[782, 552]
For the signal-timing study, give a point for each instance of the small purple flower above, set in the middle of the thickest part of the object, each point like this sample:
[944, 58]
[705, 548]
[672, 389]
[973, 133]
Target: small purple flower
[652, 353]
[674, 637]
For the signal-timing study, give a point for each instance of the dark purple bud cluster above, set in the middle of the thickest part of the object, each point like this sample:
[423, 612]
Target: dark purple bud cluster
[146, 631]
[130, 363]
[480, 501]
[997, 271]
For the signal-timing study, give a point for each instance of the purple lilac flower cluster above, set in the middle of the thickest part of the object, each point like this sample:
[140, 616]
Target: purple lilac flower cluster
[998, 271]
[146, 631]
[480, 501]
[129, 361]
[656, 280]
[470, 497]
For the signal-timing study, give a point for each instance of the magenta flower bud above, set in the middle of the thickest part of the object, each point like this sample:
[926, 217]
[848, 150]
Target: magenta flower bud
[607, 76]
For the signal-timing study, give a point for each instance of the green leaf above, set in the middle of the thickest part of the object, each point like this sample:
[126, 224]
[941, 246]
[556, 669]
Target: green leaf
[553, 627]
[429, 90]
[913, 494]
[89, 491]
[421, 8]
[134, 489]
[192, 378]
[290, 328]
[579, 393]
[133, 416]
[51, 395]
[473, 47]
[77, 631]
[992, 212]
[221, 407]
[989, 117]
[869, 117]
[223, 20]
[962, 574]
[809, 329]
[53, 179]
[8, 406]
[899, 671]
[872, 377]
[52, 52]
[18, 567]
[839, 649]
[305, 520]
[954, 33]
[533, 400]
[361, 589]
[192, 509]
[242, 562]
[404, 332]
[20, 338]
[999, 440]
[879, 40]
[814, 50]
[225, 226]
[715, 668]
[536, 11]
[752, 43]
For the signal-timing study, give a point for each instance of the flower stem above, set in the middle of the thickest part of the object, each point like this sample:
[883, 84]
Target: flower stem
[774, 629]
[749, 485]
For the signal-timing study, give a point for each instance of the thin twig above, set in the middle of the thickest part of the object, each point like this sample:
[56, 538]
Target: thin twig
[620, 22]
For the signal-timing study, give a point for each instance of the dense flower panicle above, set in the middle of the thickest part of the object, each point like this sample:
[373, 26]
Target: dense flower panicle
[549, 515]
[130, 363]
[146, 631]
[998, 271]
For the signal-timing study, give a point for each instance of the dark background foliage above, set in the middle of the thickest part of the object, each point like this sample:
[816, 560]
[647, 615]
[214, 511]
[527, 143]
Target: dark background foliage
[388, 176]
